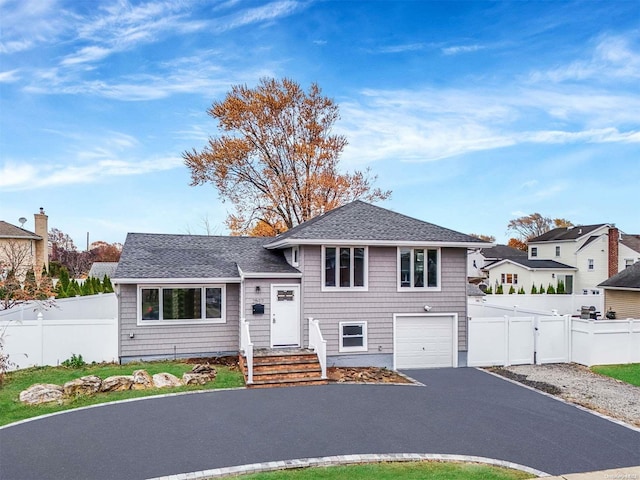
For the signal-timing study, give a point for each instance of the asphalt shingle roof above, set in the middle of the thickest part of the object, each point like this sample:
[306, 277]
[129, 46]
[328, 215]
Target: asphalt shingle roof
[502, 251]
[148, 255]
[100, 269]
[565, 233]
[627, 278]
[361, 221]
[11, 231]
[535, 264]
[631, 241]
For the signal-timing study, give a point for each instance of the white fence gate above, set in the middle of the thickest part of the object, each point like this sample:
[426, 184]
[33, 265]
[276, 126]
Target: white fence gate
[511, 340]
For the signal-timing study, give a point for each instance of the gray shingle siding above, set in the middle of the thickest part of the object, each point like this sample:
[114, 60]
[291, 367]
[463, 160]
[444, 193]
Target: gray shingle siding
[192, 339]
[382, 300]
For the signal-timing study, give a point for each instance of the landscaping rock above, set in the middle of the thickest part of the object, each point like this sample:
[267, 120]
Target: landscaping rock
[87, 385]
[190, 378]
[162, 380]
[141, 380]
[41, 393]
[117, 383]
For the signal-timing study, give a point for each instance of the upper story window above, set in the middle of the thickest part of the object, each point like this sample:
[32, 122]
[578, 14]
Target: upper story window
[590, 264]
[534, 251]
[180, 304]
[628, 262]
[418, 268]
[344, 267]
[557, 250]
[295, 254]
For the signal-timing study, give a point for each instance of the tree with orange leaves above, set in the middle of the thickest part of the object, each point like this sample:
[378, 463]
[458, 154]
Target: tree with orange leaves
[277, 160]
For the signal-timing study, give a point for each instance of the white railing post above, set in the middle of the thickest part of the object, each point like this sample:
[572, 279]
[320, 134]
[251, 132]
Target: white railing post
[247, 348]
[318, 344]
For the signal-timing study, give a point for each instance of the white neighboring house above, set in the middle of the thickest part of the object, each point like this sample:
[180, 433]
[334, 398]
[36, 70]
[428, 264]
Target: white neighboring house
[582, 257]
[478, 258]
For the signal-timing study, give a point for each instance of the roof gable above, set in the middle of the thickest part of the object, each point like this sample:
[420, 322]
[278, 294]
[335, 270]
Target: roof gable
[165, 256]
[362, 222]
[627, 278]
[631, 241]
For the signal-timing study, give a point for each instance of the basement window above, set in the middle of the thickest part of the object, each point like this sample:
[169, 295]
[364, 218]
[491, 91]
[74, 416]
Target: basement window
[353, 336]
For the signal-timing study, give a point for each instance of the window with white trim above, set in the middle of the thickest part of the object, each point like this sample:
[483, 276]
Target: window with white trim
[353, 336]
[418, 268]
[509, 278]
[557, 250]
[344, 267]
[534, 251]
[295, 253]
[628, 262]
[181, 304]
[590, 264]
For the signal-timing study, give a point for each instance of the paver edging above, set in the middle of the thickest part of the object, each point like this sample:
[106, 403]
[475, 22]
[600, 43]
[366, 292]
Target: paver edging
[338, 460]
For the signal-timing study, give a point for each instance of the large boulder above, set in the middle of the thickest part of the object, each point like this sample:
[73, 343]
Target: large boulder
[87, 385]
[142, 380]
[163, 380]
[41, 393]
[199, 375]
[117, 383]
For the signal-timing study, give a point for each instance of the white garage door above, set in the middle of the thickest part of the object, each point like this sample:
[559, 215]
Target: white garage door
[425, 341]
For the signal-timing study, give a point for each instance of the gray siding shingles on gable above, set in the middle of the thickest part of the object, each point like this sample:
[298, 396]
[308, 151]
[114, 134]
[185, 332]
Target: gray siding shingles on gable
[382, 300]
[192, 339]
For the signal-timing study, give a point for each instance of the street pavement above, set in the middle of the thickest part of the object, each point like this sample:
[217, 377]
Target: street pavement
[460, 411]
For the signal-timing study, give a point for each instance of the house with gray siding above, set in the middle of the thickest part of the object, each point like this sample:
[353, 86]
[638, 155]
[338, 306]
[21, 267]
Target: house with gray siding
[384, 289]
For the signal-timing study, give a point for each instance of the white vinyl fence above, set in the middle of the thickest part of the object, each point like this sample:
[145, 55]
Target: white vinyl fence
[86, 326]
[604, 342]
[509, 340]
[504, 336]
[563, 304]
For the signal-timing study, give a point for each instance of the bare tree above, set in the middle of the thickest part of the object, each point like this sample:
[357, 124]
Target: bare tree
[17, 258]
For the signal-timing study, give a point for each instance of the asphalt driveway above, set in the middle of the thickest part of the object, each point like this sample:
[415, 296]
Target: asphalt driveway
[459, 411]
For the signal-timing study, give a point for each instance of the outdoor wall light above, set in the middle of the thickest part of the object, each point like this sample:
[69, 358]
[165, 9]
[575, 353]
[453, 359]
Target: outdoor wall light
[257, 288]
[427, 308]
[132, 335]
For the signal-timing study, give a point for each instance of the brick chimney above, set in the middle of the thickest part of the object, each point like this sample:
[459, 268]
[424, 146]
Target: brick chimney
[42, 246]
[613, 250]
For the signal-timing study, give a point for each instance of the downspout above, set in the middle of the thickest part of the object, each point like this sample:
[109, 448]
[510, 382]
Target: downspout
[241, 306]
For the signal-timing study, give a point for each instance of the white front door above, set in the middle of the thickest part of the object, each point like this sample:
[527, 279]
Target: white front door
[285, 315]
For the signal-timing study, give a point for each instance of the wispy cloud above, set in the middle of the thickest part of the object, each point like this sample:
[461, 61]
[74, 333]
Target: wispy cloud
[9, 76]
[265, 13]
[455, 50]
[407, 47]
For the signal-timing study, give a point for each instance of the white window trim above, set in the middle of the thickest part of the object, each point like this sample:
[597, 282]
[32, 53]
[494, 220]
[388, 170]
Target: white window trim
[364, 347]
[337, 288]
[591, 265]
[295, 256]
[203, 321]
[400, 288]
[534, 251]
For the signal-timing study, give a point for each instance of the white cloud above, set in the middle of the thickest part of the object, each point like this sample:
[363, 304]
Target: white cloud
[268, 12]
[408, 47]
[455, 50]
[9, 76]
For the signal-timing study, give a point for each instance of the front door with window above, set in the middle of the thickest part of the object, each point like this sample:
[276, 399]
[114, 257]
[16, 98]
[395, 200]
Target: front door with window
[285, 315]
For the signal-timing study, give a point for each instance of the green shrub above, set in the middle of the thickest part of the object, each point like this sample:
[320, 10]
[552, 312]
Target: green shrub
[75, 361]
[534, 290]
[512, 290]
[521, 291]
[551, 290]
[499, 290]
[488, 291]
[561, 288]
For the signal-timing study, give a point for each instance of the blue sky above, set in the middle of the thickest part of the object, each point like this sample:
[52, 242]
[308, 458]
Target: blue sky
[473, 113]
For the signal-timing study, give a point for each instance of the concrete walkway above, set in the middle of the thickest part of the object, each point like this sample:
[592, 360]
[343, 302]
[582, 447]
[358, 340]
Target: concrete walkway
[631, 473]
[458, 412]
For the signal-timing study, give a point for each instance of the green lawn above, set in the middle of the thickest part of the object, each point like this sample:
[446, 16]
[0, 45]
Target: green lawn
[627, 373]
[395, 471]
[12, 410]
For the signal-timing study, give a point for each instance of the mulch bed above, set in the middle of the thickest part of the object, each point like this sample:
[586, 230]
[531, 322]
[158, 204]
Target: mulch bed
[228, 361]
[518, 377]
[364, 375]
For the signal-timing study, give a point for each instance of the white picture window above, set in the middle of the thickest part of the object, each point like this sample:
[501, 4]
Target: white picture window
[353, 336]
[344, 267]
[175, 304]
[418, 268]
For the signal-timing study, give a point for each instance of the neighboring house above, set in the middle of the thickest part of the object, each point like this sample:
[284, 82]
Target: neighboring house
[387, 290]
[479, 258]
[581, 257]
[21, 249]
[100, 269]
[622, 292]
